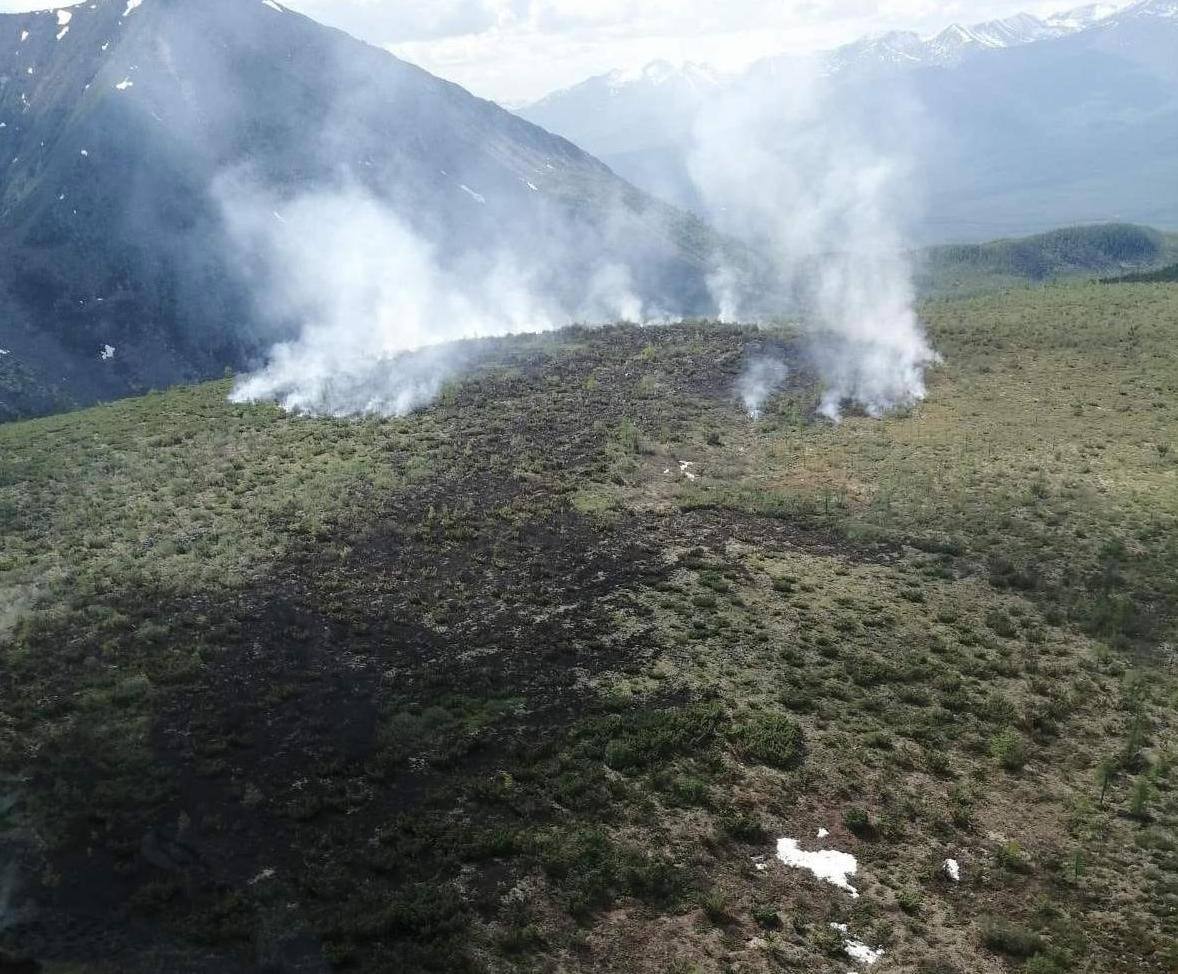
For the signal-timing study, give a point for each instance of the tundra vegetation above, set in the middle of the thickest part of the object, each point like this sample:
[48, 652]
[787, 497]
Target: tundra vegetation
[499, 687]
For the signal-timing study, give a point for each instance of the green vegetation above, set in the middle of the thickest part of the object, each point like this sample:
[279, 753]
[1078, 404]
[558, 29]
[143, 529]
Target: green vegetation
[497, 687]
[1086, 252]
[1166, 275]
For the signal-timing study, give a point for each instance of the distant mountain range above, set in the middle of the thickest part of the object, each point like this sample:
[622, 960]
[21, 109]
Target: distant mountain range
[119, 117]
[1034, 123]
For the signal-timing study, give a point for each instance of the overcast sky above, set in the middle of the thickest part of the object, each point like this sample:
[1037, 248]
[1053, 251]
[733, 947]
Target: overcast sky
[518, 50]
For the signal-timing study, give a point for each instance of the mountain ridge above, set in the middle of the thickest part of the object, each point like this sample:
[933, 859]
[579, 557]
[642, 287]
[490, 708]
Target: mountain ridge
[120, 134]
[1005, 147]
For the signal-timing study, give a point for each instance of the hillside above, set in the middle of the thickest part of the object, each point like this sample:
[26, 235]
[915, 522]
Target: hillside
[1162, 276]
[1088, 252]
[549, 675]
[137, 136]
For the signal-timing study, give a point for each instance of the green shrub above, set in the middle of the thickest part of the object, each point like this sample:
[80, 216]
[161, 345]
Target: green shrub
[770, 739]
[767, 917]
[640, 739]
[715, 907]
[910, 902]
[1009, 750]
[1140, 800]
[1004, 937]
[858, 821]
[1010, 856]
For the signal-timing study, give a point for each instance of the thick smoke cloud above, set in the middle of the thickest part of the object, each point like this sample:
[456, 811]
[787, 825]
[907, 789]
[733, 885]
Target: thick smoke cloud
[818, 183]
[400, 247]
[378, 307]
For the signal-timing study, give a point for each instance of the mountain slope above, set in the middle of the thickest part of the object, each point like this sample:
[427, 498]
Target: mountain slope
[1027, 124]
[1088, 252]
[122, 126]
[502, 687]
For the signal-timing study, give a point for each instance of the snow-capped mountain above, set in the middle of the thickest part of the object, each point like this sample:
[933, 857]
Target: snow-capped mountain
[1086, 99]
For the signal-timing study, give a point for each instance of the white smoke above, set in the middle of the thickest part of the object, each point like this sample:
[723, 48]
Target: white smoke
[820, 185]
[762, 377]
[373, 302]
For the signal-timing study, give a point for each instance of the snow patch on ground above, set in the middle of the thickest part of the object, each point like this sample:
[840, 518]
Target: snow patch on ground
[108, 352]
[477, 197]
[273, 6]
[24, 36]
[125, 84]
[953, 870]
[131, 5]
[685, 469]
[823, 833]
[86, 152]
[828, 865]
[4, 351]
[856, 949]
[531, 186]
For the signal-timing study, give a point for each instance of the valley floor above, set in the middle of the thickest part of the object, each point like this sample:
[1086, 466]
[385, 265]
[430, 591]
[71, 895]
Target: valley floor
[536, 679]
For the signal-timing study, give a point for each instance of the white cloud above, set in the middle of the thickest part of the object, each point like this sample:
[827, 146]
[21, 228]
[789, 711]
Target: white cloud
[527, 48]
[518, 50]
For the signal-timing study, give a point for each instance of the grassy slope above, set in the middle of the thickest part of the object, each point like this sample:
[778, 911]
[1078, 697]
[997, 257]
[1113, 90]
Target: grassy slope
[495, 687]
[1084, 252]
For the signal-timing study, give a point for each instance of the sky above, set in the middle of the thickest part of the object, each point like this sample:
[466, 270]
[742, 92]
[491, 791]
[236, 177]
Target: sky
[516, 51]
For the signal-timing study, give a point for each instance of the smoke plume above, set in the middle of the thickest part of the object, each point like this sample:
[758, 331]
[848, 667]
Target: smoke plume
[377, 307]
[762, 377]
[817, 181]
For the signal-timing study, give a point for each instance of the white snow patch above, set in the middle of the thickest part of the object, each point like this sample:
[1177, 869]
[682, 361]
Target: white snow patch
[86, 153]
[685, 469]
[477, 197]
[108, 352]
[4, 351]
[104, 47]
[264, 875]
[823, 833]
[125, 84]
[828, 865]
[30, 71]
[531, 186]
[953, 870]
[131, 5]
[24, 36]
[273, 6]
[856, 949]
[3, 125]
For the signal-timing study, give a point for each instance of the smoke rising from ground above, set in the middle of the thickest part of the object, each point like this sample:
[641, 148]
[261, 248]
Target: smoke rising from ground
[818, 183]
[377, 306]
[762, 377]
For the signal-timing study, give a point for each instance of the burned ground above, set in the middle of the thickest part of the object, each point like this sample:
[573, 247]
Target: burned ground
[498, 687]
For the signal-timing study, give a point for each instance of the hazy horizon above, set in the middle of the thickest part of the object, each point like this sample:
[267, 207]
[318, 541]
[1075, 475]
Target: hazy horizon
[518, 51]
